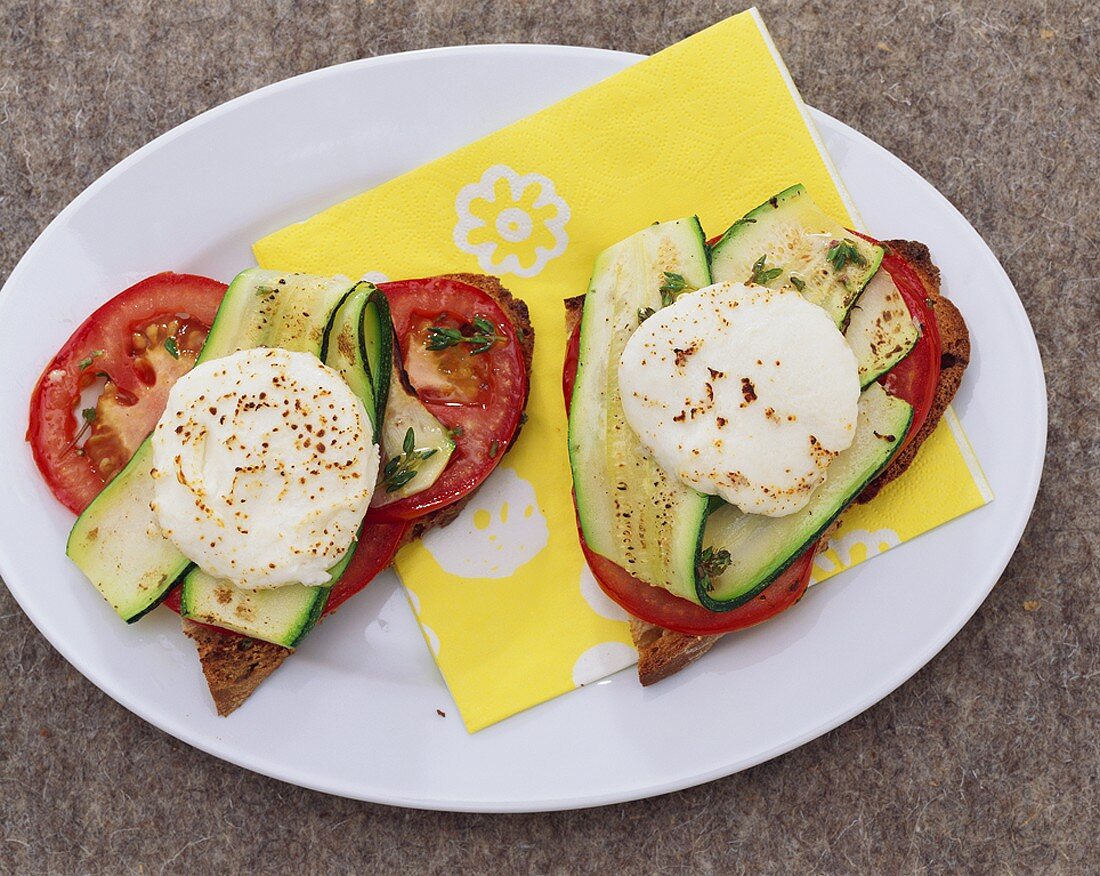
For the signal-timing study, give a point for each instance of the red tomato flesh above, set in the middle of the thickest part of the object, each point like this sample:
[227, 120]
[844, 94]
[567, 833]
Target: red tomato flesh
[139, 343]
[479, 396]
[656, 605]
[378, 544]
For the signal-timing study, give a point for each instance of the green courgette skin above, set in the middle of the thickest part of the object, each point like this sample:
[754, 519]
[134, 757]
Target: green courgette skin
[296, 312]
[738, 228]
[365, 313]
[282, 615]
[111, 545]
[614, 496]
[378, 369]
[160, 599]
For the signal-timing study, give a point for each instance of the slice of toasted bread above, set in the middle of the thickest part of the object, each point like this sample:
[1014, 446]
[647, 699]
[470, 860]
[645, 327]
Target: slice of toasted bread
[662, 652]
[235, 665]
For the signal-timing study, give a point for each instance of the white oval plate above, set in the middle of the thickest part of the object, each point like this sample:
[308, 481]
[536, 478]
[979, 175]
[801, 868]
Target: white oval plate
[354, 711]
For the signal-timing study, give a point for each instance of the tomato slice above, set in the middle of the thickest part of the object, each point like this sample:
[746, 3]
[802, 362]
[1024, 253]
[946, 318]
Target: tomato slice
[139, 343]
[656, 605]
[475, 386]
[377, 546]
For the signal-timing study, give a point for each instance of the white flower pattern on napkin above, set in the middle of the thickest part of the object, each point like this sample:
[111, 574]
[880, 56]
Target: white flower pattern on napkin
[514, 223]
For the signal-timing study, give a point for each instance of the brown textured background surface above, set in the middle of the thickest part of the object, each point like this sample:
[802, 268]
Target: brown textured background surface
[987, 761]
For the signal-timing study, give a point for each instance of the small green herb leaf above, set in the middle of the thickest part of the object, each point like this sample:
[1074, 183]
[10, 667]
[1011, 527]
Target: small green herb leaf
[673, 285]
[480, 334]
[798, 282]
[88, 414]
[87, 360]
[402, 468]
[712, 563]
[844, 251]
[172, 347]
[494, 448]
[645, 313]
[440, 337]
[761, 273]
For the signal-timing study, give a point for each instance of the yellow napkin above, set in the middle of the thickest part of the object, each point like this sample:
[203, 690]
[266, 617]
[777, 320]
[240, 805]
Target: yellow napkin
[712, 126]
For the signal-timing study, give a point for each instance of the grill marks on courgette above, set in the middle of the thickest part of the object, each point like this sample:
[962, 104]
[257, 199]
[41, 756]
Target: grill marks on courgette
[812, 253]
[880, 330]
[788, 241]
[629, 509]
[350, 330]
[117, 542]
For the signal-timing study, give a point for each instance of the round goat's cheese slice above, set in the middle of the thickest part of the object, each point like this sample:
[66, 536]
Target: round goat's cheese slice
[743, 392]
[264, 467]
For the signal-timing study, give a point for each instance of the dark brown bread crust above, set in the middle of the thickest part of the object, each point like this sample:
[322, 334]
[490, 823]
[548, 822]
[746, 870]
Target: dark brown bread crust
[662, 652]
[234, 666]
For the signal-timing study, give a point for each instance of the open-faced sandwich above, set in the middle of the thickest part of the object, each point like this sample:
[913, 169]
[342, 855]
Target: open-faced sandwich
[727, 402]
[258, 453]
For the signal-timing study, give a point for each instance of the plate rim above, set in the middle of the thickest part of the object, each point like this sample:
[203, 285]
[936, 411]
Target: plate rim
[291, 773]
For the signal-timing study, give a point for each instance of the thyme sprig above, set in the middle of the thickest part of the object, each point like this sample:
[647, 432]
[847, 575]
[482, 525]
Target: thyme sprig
[844, 251]
[761, 273]
[404, 467]
[481, 334]
[673, 286]
[711, 564]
